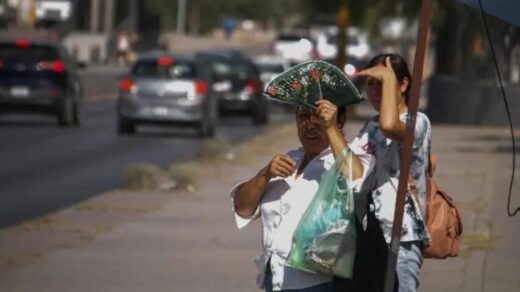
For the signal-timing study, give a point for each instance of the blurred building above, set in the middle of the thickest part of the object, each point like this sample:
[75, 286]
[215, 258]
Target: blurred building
[96, 25]
[88, 28]
[22, 10]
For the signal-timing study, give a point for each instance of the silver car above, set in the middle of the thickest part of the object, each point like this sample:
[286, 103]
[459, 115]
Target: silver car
[167, 89]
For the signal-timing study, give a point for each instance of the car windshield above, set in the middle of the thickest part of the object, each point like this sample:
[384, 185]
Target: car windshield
[10, 53]
[231, 69]
[178, 70]
[270, 67]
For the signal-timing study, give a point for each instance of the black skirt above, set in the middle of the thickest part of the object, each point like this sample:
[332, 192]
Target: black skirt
[371, 256]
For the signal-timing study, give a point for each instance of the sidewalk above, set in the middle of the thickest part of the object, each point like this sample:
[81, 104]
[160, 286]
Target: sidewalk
[187, 241]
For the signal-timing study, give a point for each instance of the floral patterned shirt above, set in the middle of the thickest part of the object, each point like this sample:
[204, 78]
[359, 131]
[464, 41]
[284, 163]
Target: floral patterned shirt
[383, 180]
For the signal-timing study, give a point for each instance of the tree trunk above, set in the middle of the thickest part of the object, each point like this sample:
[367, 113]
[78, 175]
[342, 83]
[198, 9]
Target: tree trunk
[342, 21]
[446, 48]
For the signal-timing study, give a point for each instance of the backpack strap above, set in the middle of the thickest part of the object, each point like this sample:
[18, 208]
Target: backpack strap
[432, 164]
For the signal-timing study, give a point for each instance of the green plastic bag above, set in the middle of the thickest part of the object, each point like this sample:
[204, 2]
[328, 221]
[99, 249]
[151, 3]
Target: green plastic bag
[325, 239]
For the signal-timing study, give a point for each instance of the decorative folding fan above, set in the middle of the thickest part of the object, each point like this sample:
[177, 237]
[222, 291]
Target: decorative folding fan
[306, 83]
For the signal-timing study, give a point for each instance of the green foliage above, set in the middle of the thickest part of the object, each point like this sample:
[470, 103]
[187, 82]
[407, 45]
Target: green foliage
[205, 15]
[166, 9]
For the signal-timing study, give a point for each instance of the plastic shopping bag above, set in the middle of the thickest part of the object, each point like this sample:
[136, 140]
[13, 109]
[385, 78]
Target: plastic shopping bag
[325, 239]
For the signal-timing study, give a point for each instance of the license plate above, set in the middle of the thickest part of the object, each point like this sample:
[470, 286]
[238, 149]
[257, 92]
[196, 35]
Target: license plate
[230, 96]
[222, 86]
[160, 111]
[20, 91]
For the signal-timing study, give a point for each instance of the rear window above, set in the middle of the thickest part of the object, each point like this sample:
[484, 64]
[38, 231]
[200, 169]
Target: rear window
[178, 70]
[289, 37]
[239, 70]
[31, 54]
[270, 67]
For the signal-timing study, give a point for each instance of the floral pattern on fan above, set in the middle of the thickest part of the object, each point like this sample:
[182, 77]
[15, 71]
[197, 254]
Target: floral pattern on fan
[306, 83]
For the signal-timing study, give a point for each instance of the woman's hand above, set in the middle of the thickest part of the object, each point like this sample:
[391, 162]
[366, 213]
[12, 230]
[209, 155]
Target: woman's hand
[280, 166]
[379, 72]
[328, 113]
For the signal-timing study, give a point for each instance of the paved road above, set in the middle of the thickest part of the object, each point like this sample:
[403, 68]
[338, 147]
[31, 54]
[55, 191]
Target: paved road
[45, 167]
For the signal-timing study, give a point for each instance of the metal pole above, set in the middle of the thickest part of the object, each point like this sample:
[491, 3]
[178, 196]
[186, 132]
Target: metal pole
[133, 16]
[109, 16]
[181, 16]
[406, 159]
[94, 15]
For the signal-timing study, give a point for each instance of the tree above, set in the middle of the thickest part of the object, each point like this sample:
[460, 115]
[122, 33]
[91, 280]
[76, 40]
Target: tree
[205, 15]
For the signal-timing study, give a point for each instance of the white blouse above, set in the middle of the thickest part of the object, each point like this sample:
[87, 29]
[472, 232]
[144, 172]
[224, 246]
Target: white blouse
[280, 210]
[384, 178]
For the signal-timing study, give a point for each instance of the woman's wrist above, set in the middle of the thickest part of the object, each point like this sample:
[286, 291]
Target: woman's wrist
[264, 173]
[389, 78]
[332, 130]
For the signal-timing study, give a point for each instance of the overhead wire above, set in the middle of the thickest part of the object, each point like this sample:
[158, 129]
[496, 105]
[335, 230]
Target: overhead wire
[506, 103]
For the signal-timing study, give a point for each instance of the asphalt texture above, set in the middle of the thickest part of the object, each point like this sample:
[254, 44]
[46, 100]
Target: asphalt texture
[45, 167]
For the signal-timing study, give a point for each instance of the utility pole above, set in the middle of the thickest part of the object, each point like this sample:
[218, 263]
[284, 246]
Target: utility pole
[406, 150]
[109, 16]
[342, 20]
[342, 23]
[181, 16]
[132, 15]
[94, 15]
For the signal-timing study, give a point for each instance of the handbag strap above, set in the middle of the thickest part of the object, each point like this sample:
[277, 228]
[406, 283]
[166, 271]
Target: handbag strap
[349, 164]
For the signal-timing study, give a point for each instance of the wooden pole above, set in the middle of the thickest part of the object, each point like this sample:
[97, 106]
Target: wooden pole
[108, 25]
[406, 159]
[342, 23]
[94, 15]
[342, 20]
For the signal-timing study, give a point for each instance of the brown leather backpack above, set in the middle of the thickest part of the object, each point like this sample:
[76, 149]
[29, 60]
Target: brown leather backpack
[442, 219]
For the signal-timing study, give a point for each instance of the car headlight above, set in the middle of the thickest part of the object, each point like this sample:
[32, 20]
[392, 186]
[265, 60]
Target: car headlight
[350, 70]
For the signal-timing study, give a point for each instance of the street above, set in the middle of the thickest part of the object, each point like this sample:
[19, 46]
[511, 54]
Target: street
[45, 167]
[183, 241]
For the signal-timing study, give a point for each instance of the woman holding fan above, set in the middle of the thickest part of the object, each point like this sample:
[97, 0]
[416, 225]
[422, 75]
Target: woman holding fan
[281, 191]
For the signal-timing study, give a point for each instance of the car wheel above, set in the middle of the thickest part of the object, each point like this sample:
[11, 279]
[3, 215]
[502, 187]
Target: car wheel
[288, 107]
[260, 116]
[66, 113]
[206, 129]
[126, 127]
[75, 119]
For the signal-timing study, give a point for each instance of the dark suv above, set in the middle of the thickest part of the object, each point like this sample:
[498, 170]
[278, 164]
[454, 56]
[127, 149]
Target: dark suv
[167, 89]
[39, 77]
[236, 83]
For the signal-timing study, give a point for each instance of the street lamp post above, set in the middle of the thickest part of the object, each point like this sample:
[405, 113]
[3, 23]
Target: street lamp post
[133, 15]
[181, 16]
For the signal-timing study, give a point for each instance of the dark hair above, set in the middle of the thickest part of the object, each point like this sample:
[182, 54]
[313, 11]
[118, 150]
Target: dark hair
[342, 116]
[399, 66]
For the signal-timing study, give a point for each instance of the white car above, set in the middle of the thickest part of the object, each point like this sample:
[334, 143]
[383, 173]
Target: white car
[357, 44]
[294, 47]
[53, 10]
[270, 67]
